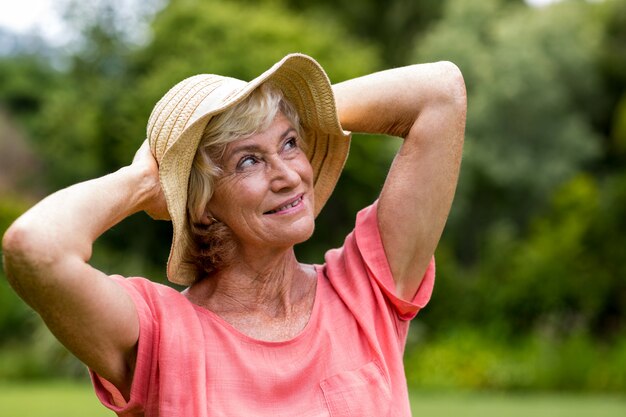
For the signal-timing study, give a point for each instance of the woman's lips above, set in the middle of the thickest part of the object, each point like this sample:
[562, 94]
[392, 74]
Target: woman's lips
[285, 207]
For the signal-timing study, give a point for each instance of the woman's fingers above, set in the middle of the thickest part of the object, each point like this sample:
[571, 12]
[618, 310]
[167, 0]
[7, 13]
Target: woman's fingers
[155, 205]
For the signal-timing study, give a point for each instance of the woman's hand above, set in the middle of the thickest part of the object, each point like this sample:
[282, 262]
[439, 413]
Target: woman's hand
[145, 163]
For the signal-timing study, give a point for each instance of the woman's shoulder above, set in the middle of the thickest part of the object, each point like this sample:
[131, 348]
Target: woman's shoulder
[149, 291]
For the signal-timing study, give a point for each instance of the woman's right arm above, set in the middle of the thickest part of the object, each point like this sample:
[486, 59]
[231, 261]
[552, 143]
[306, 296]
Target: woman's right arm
[46, 253]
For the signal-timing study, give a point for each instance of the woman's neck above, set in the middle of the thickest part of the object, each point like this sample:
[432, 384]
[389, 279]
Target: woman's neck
[272, 286]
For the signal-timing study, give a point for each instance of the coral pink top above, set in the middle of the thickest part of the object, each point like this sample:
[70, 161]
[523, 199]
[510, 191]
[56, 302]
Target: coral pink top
[347, 361]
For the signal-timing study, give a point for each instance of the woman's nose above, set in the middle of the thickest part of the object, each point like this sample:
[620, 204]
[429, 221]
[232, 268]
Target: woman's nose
[284, 174]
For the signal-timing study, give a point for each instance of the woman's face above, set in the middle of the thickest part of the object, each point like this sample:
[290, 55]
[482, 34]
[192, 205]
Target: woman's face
[265, 194]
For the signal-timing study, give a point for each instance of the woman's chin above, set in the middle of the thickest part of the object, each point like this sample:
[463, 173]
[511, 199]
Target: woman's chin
[299, 232]
[301, 235]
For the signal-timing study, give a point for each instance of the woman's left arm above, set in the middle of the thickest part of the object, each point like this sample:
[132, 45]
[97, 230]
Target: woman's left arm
[426, 105]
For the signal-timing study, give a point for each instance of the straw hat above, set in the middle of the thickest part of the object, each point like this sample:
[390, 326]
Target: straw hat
[178, 120]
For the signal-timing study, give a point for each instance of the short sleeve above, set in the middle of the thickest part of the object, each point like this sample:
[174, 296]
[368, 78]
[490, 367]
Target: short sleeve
[370, 246]
[146, 361]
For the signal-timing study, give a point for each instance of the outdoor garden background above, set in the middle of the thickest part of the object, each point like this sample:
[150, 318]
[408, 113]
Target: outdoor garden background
[529, 306]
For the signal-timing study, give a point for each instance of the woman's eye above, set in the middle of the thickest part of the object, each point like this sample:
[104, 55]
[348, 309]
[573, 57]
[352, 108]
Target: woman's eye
[291, 143]
[246, 161]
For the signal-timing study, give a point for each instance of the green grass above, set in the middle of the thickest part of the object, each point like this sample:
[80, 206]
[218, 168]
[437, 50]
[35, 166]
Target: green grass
[72, 399]
[488, 404]
[50, 399]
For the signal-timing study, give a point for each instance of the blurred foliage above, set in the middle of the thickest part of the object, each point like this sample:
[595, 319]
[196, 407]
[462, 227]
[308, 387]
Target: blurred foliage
[465, 359]
[564, 276]
[14, 315]
[612, 59]
[38, 356]
[391, 25]
[531, 288]
[536, 237]
[529, 83]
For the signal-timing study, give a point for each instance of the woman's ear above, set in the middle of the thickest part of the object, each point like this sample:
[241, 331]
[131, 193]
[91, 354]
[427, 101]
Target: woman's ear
[207, 218]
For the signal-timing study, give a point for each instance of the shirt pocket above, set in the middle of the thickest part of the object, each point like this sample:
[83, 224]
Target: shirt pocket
[363, 392]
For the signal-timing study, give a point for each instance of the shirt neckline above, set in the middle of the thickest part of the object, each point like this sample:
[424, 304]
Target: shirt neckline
[313, 318]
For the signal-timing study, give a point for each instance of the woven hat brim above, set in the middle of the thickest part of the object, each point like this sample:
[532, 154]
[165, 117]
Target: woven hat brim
[305, 84]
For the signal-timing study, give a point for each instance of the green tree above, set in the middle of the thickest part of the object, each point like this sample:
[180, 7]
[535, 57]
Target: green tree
[391, 25]
[536, 238]
[528, 72]
[612, 64]
[568, 274]
[394, 26]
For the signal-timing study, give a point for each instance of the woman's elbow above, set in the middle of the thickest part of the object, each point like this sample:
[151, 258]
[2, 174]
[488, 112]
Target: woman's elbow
[18, 253]
[452, 83]
[13, 242]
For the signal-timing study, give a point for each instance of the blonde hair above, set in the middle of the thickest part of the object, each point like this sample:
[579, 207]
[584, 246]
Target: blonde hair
[212, 246]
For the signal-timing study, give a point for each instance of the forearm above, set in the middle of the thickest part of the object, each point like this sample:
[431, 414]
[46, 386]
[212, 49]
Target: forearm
[65, 224]
[389, 102]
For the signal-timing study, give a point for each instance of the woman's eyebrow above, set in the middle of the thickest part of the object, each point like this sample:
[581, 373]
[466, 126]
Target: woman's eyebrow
[288, 131]
[253, 147]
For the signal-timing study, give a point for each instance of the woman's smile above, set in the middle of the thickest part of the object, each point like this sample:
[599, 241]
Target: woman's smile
[291, 206]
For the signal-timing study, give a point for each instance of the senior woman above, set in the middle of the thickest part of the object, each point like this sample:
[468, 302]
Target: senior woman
[242, 169]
